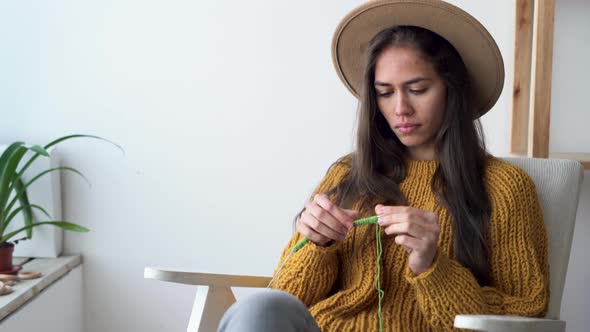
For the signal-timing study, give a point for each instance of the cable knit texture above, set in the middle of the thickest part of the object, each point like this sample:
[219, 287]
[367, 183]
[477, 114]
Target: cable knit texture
[338, 287]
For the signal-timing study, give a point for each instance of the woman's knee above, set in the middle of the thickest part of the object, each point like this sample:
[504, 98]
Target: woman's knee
[272, 299]
[269, 302]
[268, 310]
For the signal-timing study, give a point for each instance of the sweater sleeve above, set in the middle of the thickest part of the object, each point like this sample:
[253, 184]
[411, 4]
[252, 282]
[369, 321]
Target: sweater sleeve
[310, 273]
[518, 265]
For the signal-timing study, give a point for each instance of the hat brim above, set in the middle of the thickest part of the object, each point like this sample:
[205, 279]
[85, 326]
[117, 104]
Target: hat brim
[474, 43]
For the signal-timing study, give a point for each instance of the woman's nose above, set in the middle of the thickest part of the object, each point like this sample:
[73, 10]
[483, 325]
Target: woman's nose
[402, 105]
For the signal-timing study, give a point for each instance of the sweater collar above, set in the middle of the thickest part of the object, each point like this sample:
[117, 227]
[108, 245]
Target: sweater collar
[421, 167]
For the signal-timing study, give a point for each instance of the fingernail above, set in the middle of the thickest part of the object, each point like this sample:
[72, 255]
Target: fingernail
[379, 220]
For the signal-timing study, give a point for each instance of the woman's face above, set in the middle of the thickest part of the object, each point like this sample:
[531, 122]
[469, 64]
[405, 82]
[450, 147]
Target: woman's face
[411, 96]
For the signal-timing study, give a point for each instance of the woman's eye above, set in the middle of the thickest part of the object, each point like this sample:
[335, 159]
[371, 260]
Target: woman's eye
[385, 94]
[417, 91]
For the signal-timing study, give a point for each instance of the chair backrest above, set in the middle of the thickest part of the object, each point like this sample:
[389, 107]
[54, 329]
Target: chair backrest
[558, 183]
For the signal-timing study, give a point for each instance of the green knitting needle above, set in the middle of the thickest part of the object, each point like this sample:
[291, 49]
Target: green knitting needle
[359, 222]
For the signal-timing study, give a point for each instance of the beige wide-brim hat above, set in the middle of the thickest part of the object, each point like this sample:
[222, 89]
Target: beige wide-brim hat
[469, 37]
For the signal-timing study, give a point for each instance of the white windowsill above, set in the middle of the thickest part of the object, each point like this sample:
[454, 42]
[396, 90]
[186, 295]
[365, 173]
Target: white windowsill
[52, 269]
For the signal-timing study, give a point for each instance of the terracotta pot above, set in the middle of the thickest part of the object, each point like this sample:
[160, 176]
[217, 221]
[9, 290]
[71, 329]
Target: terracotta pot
[6, 250]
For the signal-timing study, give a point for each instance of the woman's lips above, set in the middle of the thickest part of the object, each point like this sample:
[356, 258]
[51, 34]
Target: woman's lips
[407, 129]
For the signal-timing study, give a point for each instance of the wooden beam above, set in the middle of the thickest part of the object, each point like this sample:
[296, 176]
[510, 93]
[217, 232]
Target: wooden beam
[522, 77]
[542, 65]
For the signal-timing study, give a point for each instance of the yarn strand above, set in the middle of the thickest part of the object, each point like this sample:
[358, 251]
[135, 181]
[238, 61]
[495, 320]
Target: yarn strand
[380, 291]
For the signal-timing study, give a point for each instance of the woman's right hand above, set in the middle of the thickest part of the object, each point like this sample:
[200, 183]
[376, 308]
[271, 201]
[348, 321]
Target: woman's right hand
[322, 222]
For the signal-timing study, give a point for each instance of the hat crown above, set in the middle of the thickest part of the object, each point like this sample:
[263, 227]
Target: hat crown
[467, 35]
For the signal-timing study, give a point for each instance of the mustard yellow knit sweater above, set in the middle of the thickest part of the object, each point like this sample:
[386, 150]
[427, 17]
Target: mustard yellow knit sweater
[339, 288]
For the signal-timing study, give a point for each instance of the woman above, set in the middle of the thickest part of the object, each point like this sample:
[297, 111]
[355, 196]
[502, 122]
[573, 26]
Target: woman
[462, 231]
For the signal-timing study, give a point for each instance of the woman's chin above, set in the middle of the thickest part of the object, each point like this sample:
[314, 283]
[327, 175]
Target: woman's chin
[411, 142]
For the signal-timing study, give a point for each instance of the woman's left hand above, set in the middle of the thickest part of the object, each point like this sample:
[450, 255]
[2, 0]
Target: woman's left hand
[415, 229]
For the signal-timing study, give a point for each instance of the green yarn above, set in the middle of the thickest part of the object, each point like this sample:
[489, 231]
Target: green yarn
[361, 222]
[366, 221]
[380, 291]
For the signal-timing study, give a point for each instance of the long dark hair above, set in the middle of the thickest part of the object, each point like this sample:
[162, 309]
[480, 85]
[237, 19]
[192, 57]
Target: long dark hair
[378, 167]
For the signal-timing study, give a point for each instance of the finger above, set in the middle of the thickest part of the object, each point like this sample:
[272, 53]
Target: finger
[337, 213]
[409, 228]
[325, 217]
[312, 235]
[319, 226]
[385, 210]
[414, 216]
[354, 214]
[409, 243]
[395, 218]
[381, 209]
[432, 217]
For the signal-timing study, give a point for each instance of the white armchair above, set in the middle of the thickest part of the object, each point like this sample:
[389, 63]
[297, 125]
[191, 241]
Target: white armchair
[558, 183]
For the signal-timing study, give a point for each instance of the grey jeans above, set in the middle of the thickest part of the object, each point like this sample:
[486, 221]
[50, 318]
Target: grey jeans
[268, 310]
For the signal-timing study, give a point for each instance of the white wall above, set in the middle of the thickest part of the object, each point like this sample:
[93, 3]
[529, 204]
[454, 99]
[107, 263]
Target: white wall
[230, 113]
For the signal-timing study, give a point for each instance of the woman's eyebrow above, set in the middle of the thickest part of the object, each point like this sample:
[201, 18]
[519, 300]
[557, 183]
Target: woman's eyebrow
[412, 81]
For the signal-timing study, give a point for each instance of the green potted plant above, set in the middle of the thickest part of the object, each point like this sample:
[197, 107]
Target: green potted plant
[14, 199]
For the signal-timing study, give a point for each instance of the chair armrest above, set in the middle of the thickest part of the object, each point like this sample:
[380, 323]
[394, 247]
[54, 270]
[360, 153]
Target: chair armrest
[493, 323]
[205, 279]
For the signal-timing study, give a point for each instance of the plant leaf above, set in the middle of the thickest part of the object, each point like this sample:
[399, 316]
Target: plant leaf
[12, 158]
[35, 206]
[5, 194]
[8, 163]
[62, 224]
[10, 178]
[59, 140]
[64, 138]
[20, 192]
[24, 208]
[40, 150]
